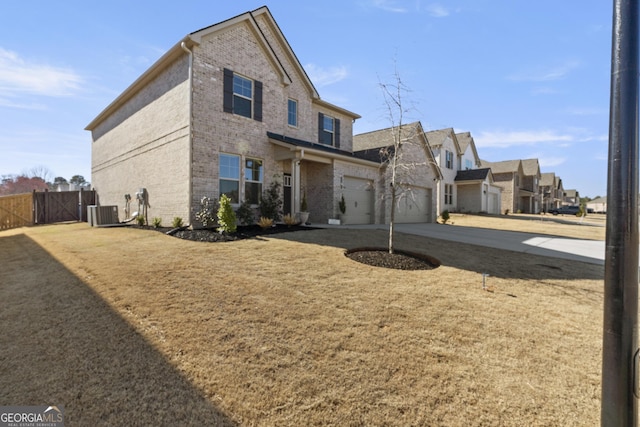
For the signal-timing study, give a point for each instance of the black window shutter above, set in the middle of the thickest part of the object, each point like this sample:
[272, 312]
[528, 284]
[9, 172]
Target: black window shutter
[320, 127]
[336, 131]
[227, 102]
[257, 101]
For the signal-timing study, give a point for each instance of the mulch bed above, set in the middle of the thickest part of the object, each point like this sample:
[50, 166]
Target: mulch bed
[377, 257]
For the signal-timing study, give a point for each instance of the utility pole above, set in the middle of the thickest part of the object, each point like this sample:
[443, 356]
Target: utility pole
[620, 333]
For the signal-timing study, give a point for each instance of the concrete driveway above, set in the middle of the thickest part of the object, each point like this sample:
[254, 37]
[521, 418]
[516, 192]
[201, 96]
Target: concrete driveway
[591, 251]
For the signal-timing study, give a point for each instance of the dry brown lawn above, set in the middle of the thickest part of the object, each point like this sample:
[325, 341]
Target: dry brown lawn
[132, 327]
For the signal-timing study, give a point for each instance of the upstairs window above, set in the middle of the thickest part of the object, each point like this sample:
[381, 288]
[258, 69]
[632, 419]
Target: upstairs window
[242, 96]
[292, 110]
[448, 159]
[468, 164]
[328, 130]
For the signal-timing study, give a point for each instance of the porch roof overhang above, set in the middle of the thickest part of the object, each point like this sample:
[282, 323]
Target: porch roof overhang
[525, 193]
[292, 148]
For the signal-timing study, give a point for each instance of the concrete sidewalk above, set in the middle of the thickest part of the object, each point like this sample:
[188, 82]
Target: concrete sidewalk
[591, 251]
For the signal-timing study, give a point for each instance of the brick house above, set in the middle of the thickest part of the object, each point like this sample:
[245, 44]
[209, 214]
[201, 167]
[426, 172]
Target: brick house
[530, 203]
[417, 176]
[227, 110]
[551, 191]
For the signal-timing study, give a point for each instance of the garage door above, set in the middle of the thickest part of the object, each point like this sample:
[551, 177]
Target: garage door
[414, 206]
[358, 196]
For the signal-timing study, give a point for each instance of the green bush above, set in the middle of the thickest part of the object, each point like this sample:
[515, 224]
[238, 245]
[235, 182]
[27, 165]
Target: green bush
[156, 222]
[245, 214]
[177, 222]
[342, 205]
[445, 216]
[227, 222]
[271, 202]
[140, 220]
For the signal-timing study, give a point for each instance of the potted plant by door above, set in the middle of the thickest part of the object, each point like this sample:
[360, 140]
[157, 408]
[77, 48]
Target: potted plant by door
[304, 213]
[342, 205]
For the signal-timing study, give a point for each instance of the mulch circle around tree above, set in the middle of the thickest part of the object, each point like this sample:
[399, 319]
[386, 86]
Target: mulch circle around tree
[400, 260]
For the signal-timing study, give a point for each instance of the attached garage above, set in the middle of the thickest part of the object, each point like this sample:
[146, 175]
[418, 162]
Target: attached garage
[358, 196]
[414, 206]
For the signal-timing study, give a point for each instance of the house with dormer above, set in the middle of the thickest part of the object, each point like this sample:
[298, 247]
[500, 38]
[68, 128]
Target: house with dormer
[229, 110]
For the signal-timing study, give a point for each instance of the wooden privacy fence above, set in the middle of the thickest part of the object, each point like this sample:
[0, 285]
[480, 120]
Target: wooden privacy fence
[44, 208]
[16, 211]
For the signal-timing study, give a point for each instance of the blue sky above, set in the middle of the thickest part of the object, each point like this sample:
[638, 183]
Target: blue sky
[528, 79]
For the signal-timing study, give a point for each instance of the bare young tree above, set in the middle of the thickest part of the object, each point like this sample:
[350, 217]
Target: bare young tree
[397, 108]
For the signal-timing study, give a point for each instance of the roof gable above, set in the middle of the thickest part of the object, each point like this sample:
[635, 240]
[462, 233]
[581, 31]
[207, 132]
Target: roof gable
[507, 166]
[438, 138]
[380, 143]
[531, 167]
[466, 140]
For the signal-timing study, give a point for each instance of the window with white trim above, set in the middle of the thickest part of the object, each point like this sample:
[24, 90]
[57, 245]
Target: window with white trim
[253, 178]
[448, 194]
[448, 159]
[292, 112]
[328, 130]
[242, 96]
[229, 174]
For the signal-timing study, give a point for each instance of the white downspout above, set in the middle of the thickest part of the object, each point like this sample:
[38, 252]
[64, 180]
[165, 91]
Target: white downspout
[184, 47]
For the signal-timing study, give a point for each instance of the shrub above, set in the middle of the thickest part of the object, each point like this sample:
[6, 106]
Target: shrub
[445, 216]
[207, 213]
[156, 222]
[227, 222]
[177, 222]
[289, 220]
[140, 220]
[271, 202]
[342, 205]
[265, 222]
[245, 213]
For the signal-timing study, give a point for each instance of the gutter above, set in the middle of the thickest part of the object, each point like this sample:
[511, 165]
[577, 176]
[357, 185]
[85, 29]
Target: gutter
[184, 47]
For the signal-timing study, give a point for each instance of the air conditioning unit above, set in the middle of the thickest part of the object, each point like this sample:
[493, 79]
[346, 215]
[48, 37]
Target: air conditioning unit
[102, 215]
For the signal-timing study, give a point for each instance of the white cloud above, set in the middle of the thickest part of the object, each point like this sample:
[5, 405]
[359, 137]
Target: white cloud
[545, 74]
[19, 76]
[549, 162]
[325, 76]
[501, 139]
[389, 6]
[437, 11]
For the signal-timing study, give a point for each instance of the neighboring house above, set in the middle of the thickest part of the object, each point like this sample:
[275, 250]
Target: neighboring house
[508, 175]
[599, 205]
[477, 192]
[571, 197]
[519, 186]
[551, 191]
[228, 110]
[446, 151]
[530, 183]
[417, 173]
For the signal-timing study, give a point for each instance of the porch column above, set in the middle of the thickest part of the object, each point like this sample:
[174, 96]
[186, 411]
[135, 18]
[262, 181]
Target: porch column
[295, 178]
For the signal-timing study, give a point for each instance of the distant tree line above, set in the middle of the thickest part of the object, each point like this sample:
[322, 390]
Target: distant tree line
[38, 179]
